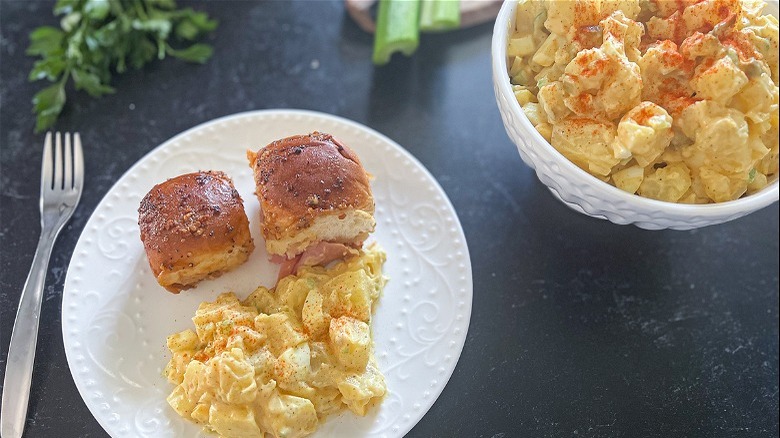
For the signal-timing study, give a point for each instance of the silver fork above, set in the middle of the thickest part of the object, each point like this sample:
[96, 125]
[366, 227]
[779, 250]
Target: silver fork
[62, 177]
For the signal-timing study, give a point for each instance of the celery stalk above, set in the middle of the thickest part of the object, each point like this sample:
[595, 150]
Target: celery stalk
[397, 29]
[439, 15]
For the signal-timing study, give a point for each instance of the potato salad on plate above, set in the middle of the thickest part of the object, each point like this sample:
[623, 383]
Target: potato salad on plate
[283, 359]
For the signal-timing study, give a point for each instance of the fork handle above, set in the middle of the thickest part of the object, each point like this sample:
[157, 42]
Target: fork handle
[21, 352]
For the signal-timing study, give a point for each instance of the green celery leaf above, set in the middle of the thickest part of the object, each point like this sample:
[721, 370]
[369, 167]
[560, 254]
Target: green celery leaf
[45, 40]
[195, 53]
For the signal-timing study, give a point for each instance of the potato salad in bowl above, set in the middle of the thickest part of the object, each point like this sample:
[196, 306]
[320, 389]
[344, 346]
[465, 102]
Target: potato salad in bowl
[671, 100]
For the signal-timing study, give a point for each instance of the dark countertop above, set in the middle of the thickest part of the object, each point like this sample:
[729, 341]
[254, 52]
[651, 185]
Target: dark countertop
[579, 327]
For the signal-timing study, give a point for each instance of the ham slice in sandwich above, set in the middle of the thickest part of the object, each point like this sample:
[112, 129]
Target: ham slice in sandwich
[315, 199]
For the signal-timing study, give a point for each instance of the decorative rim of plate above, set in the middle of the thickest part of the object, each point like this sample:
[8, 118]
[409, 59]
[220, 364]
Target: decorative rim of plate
[97, 402]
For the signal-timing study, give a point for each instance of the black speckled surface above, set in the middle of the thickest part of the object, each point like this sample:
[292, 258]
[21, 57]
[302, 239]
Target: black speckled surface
[579, 327]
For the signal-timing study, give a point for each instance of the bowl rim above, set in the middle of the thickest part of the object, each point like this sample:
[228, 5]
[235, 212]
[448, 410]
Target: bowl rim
[755, 201]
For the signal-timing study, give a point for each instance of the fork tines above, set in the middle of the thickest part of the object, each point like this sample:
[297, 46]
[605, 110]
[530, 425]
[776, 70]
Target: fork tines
[66, 170]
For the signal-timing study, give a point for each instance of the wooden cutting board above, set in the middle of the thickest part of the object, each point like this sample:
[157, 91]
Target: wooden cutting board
[472, 12]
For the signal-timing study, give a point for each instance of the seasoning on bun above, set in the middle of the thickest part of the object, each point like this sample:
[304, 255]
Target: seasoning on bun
[194, 227]
[315, 199]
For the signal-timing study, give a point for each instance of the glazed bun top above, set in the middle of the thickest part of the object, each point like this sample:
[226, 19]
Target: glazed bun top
[191, 214]
[304, 177]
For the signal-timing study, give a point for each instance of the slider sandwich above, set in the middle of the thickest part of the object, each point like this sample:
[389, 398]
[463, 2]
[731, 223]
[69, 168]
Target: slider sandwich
[315, 199]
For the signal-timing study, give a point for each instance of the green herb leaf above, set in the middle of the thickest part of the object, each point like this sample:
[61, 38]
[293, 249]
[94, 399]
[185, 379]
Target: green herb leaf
[106, 36]
[51, 96]
[201, 20]
[165, 4]
[99, 37]
[48, 104]
[193, 24]
[47, 68]
[65, 6]
[45, 40]
[70, 21]
[195, 53]
[90, 82]
[141, 52]
[187, 31]
[160, 27]
[96, 9]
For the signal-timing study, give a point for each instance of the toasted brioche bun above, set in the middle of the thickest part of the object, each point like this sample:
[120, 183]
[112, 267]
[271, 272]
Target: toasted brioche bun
[311, 188]
[193, 227]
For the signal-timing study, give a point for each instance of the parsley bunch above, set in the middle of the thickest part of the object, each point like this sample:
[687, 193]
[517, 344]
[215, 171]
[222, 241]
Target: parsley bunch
[99, 37]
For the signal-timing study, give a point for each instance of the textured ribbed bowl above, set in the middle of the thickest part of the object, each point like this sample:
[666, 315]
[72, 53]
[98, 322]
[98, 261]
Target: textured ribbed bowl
[585, 193]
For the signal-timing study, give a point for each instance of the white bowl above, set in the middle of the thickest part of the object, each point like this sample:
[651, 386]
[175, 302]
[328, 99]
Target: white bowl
[585, 193]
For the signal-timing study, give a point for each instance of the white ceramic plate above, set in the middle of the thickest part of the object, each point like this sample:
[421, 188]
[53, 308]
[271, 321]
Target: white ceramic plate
[115, 317]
